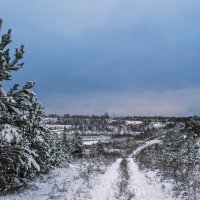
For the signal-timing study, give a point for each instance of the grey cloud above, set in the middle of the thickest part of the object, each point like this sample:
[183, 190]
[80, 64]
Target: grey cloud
[167, 103]
[93, 47]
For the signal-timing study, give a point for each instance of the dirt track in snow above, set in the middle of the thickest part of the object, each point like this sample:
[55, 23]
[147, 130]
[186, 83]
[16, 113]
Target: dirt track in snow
[137, 183]
[113, 182]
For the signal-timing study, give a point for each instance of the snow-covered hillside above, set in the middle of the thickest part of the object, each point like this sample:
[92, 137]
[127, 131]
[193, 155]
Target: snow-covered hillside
[97, 179]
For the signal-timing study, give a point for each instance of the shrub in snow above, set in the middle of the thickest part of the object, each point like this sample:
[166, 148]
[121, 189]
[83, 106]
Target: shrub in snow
[76, 146]
[182, 159]
[60, 150]
[97, 149]
[179, 159]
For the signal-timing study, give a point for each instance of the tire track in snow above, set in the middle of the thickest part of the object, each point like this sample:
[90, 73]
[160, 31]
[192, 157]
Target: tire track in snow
[143, 190]
[144, 146]
[106, 187]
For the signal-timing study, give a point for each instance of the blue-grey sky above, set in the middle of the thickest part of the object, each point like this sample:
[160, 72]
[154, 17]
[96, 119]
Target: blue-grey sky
[125, 57]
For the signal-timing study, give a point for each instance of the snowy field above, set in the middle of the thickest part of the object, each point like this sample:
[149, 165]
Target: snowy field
[129, 122]
[98, 179]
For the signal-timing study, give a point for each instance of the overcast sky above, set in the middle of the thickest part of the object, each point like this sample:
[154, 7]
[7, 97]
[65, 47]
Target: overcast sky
[125, 57]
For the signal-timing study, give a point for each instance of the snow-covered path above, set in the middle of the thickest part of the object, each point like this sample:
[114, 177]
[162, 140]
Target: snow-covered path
[77, 183]
[144, 190]
[142, 187]
[106, 188]
[144, 146]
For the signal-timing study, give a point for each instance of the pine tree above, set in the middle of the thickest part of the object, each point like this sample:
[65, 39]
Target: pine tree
[99, 148]
[24, 140]
[77, 145]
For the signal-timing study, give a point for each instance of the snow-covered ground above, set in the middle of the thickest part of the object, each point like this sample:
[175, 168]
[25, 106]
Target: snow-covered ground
[50, 120]
[156, 125]
[72, 182]
[144, 189]
[106, 188]
[60, 127]
[130, 122]
[144, 146]
[97, 180]
[90, 142]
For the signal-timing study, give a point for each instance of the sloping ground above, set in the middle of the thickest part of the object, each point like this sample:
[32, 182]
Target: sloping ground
[143, 187]
[96, 181]
[71, 183]
[56, 185]
[106, 187]
[144, 146]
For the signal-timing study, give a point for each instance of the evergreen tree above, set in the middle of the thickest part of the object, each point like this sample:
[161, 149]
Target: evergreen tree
[77, 145]
[99, 148]
[24, 140]
[66, 144]
[182, 158]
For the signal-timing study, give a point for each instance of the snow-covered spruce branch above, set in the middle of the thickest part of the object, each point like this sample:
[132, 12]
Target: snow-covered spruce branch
[26, 145]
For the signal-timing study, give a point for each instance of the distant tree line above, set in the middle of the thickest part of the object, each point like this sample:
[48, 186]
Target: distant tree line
[131, 118]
